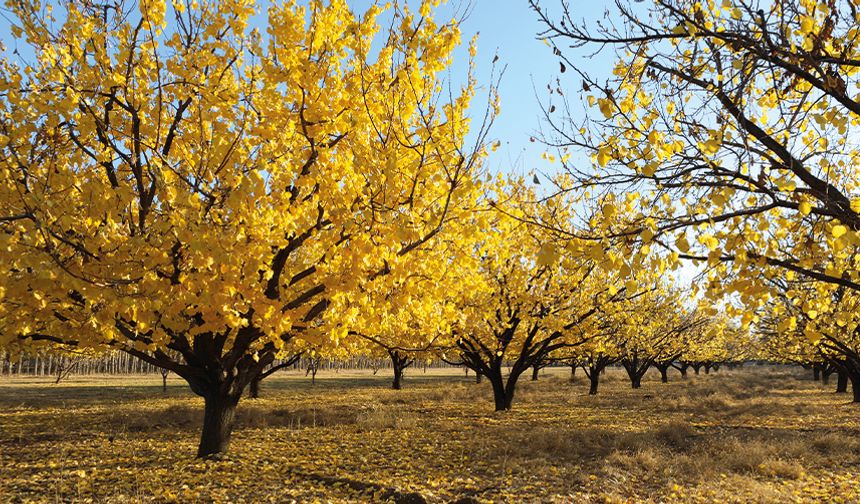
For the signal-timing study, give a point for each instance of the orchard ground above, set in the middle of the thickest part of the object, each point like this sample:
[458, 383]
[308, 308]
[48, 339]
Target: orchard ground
[756, 434]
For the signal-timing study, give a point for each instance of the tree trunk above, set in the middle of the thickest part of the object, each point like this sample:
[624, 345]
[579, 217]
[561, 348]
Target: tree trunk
[854, 376]
[696, 368]
[635, 368]
[398, 377]
[164, 374]
[594, 380]
[535, 371]
[683, 370]
[503, 392]
[398, 363]
[707, 369]
[841, 382]
[254, 387]
[664, 373]
[218, 417]
[825, 374]
[478, 377]
[499, 396]
[816, 373]
[573, 372]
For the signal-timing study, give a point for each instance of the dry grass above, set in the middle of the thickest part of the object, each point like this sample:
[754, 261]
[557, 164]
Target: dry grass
[752, 435]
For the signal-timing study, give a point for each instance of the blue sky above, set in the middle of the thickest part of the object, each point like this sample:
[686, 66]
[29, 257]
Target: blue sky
[509, 28]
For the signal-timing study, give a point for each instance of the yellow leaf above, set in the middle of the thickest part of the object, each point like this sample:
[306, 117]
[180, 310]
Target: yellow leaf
[806, 24]
[547, 254]
[631, 286]
[682, 243]
[838, 230]
[710, 241]
[603, 157]
[609, 210]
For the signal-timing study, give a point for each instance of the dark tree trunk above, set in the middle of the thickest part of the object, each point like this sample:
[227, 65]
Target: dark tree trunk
[594, 381]
[535, 372]
[707, 369]
[503, 391]
[164, 373]
[478, 377]
[664, 373]
[825, 374]
[218, 417]
[573, 372]
[841, 382]
[696, 368]
[816, 373]
[254, 387]
[595, 368]
[683, 370]
[399, 362]
[636, 369]
[854, 376]
[313, 367]
[500, 394]
[500, 397]
[397, 384]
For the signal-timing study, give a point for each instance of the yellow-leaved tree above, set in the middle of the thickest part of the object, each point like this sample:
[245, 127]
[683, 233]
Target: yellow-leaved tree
[184, 187]
[737, 122]
[526, 294]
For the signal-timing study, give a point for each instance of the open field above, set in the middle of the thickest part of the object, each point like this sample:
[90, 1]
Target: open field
[750, 435]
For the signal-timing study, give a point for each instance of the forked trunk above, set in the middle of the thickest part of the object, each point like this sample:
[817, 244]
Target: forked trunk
[636, 381]
[664, 374]
[503, 392]
[500, 397]
[535, 372]
[399, 362]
